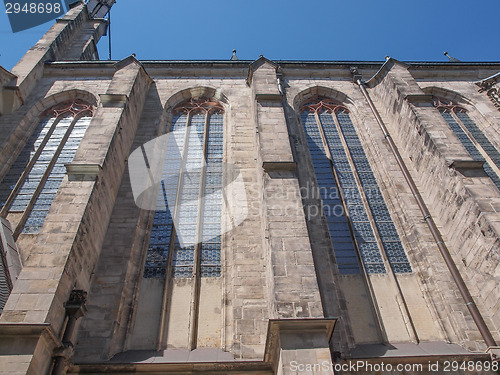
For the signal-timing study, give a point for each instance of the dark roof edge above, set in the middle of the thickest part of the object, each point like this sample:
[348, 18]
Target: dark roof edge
[412, 64]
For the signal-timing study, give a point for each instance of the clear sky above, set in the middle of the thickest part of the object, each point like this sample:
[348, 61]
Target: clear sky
[289, 30]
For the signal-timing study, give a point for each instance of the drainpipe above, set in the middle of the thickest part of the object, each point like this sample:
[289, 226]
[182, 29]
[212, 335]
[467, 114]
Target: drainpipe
[457, 277]
[75, 309]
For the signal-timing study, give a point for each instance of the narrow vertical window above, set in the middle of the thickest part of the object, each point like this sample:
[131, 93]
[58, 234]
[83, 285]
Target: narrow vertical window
[210, 262]
[358, 220]
[192, 181]
[471, 137]
[31, 184]
[181, 289]
[161, 233]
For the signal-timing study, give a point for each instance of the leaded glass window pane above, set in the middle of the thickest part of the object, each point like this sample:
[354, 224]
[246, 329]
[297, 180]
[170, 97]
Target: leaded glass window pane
[31, 184]
[195, 217]
[467, 131]
[42, 205]
[318, 118]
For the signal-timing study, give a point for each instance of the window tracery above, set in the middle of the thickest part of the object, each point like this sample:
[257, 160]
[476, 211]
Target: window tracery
[193, 175]
[32, 182]
[472, 138]
[358, 220]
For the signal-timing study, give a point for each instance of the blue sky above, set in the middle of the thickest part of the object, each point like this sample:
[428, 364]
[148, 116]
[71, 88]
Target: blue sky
[288, 30]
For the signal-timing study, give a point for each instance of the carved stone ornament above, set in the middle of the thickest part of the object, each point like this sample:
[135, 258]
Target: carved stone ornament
[492, 87]
[76, 303]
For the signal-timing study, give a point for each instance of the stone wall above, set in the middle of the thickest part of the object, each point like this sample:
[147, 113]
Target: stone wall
[459, 200]
[278, 264]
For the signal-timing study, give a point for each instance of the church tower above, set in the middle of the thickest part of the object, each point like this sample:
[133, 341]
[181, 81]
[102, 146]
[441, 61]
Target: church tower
[246, 217]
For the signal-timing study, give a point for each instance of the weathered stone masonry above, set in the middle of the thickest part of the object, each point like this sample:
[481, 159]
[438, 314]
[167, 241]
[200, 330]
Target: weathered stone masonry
[281, 296]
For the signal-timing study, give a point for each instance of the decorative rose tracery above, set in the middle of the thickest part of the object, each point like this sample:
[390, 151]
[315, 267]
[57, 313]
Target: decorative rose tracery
[328, 105]
[32, 183]
[194, 163]
[471, 137]
[70, 107]
[199, 105]
[362, 229]
[448, 106]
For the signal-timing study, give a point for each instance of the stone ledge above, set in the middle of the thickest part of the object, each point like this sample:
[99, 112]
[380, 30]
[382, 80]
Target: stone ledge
[173, 356]
[465, 164]
[240, 367]
[419, 99]
[20, 330]
[114, 100]
[275, 166]
[83, 172]
[268, 97]
[407, 349]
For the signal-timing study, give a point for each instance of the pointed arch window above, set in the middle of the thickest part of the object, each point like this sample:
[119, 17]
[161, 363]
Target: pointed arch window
[31, 184]
[361, 229]
[472, 138]
[192, 181]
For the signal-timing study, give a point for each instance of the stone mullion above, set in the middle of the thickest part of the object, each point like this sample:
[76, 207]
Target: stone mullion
[195, 303]
[27, 170]
[46, 175]
[167, 291]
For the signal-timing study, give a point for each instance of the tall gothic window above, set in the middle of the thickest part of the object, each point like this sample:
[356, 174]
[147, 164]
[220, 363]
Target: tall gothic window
[471, 137]
[361, 229]
[191, 196]
[31, 184]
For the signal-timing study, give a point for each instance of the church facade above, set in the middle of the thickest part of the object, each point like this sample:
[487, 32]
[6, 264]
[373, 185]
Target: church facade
[246, 217]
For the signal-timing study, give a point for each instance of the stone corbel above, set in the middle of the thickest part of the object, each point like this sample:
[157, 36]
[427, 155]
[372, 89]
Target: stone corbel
[114, 100]
[276, 166]
[467, 167]
[269, 97]
[83, 172]
[419, 100]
